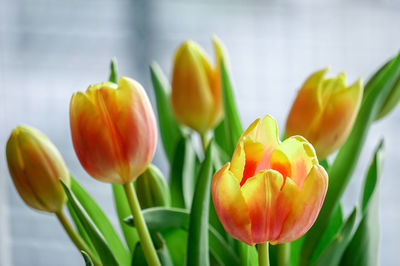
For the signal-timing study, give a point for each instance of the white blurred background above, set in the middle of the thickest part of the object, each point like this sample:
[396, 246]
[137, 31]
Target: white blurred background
[51, 48]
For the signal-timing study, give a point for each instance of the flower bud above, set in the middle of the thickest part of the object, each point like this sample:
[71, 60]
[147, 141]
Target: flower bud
[196, 87]
[151, 188]
[36, 167]
[324, 111]
[113, 130]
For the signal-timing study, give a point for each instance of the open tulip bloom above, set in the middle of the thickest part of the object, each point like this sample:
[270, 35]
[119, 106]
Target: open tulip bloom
[270, 191]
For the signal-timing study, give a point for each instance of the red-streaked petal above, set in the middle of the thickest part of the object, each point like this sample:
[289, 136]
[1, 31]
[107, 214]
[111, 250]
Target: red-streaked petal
[306, 205]
[230, 205]
[294, 158]
[268, 204]
[91, 140]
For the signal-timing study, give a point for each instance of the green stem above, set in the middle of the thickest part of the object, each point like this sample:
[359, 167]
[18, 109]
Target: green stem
[141, 227]
[283, 254]
[75, 237]
[263, 254]
[244, 253]
[204, 141]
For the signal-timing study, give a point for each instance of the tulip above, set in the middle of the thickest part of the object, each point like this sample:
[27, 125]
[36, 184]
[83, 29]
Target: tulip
[324, 111]
[271, 191]
[36, 167]
[196, 87]
[113, 130]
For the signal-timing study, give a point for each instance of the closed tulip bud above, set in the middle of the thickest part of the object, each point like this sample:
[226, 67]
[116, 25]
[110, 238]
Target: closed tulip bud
[324, 111]
[271, 191]
[113, 130]
[196, 87]
[36, 167]
[151, 188]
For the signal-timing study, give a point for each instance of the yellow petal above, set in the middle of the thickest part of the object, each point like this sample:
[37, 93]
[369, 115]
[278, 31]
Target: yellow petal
[230, 205]
[294, 158]
[269, 204]
[306, 205]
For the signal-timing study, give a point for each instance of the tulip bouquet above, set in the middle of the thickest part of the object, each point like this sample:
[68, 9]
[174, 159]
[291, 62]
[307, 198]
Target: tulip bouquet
[225, 200]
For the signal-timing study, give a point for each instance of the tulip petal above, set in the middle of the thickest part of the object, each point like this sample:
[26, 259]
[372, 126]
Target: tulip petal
[91, 140]
[230, 205]
[268, 204]
[306, 205]
[307, 106]
[294, 158]
[336, 121]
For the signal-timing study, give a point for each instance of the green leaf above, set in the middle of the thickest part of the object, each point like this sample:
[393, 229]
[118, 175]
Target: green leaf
[169, 128]
[198, 219]
[176, 240]
[152, 190]
[333, 228]
[363, 248]
[166, 219]
[86, 257]
[101, 221]
[81, 229]
[346, 160]
[138, 258]
[113, 70]
[182, 176]
[105, 253]
[123, 211]
[333, 252]
[228, 137]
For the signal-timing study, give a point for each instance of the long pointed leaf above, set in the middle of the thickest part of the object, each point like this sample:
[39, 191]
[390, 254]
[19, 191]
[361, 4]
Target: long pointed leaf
[103, 249]
[182, 176]
[169, 128]
[228, 136]
[101, 221]
[363, 248]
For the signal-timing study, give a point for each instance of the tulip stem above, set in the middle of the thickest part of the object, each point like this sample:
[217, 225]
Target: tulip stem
[284, 254]
[204, 141]
[263, 254]
[141, 227]
[76, 238]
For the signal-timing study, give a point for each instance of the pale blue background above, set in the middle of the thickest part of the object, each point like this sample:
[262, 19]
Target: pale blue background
[51, 48]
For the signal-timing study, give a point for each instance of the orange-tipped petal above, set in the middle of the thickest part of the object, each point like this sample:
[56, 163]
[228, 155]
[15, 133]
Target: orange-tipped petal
[267, 134]
[306, 205]
[336, 121]
[307, 106]
[268, 204]
[230, 205]
[294, 158]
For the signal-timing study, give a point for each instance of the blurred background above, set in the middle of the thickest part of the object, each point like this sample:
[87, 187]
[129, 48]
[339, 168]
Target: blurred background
[50, 49]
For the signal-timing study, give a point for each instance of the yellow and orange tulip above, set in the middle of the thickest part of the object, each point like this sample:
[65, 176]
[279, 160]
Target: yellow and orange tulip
[36, 167]
[113, 130]
[271, 191]
[324, 111]
[196, 87]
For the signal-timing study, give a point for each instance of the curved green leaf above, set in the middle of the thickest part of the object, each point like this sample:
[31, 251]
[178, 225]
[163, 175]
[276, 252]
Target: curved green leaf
[138, 257]
[86, 257]
[103, 249]
[198, 219]
[345, 162]
[229, 131]
[169, 128]
[101, 221]
[182, 176]
[113, 71]
[363, 248]
[333, 252]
